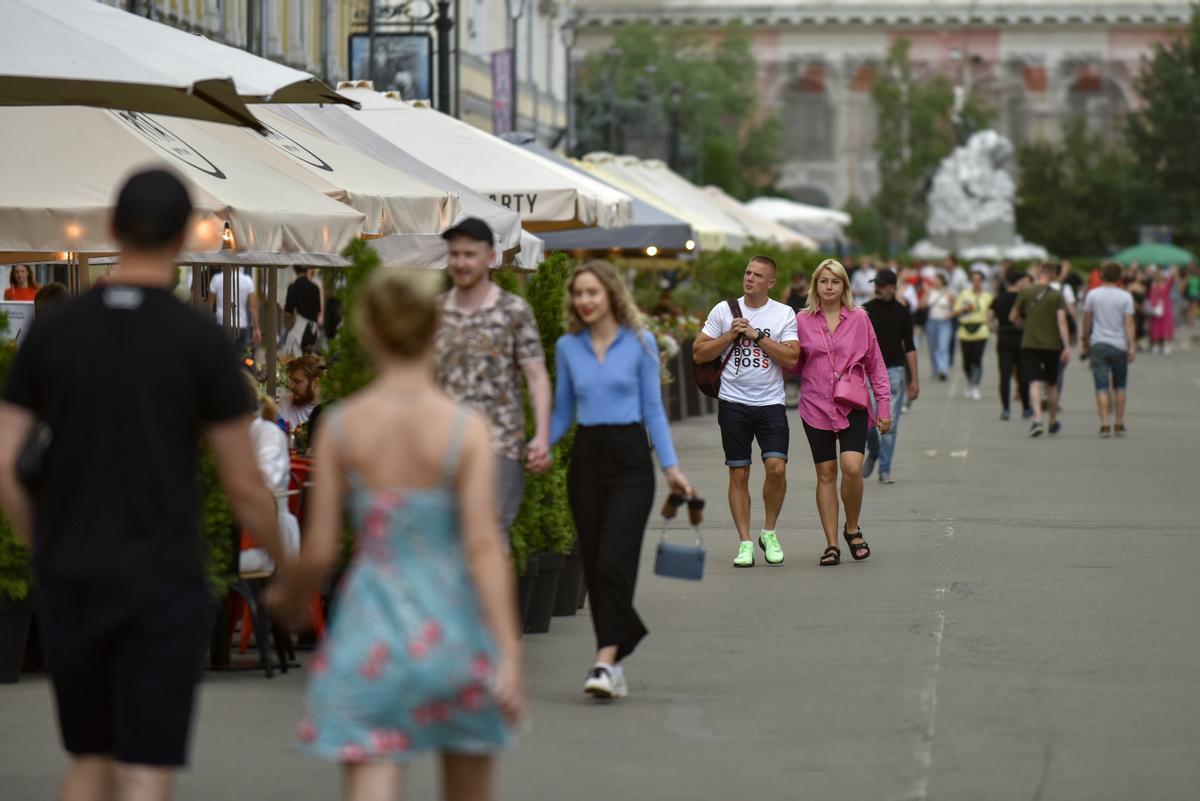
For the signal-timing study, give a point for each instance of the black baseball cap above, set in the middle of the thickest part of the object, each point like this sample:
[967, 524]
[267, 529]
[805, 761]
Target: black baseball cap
[885, 277]
[471, 228]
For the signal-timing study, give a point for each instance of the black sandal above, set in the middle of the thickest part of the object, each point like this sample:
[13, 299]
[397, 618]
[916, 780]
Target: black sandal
[831, 557]
[861, 546]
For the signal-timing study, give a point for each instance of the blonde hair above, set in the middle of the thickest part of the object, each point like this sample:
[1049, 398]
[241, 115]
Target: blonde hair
[400, 310]
[834, 266]
[619, 300]
[266, 405]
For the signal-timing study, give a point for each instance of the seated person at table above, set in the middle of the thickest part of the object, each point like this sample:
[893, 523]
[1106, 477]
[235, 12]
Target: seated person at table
[275, 462]
[302, 406]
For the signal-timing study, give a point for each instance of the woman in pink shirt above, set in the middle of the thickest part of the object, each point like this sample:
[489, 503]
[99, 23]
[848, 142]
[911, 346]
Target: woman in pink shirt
[837, 341]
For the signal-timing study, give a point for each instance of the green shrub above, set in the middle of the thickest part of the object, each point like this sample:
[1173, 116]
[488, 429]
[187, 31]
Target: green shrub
[216, 527]
[350, 367]
[544, 522]
[15, 572]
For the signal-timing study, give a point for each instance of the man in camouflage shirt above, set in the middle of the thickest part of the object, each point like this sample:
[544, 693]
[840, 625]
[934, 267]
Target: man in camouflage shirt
[486, 341]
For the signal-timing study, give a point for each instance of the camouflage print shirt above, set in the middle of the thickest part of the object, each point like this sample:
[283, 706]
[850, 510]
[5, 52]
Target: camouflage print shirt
[479, 358]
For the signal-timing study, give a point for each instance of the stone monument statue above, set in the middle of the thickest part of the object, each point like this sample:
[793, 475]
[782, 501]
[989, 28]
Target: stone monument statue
[971, 198]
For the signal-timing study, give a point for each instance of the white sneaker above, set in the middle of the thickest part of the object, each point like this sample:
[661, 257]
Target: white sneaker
[605, 681]
[969, 393]
[976, 394]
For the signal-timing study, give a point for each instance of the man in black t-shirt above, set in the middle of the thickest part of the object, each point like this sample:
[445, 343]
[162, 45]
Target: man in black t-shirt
[894, 331]
[1008, 342]
[303, 301]
[127, 380]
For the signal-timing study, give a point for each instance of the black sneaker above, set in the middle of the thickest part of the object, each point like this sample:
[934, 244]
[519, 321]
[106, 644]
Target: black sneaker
[1036, 430]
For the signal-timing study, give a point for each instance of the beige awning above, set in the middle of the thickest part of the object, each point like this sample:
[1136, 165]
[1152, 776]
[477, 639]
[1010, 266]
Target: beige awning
[655, 183]
[548, 196]
[62, 166]
[393, 202]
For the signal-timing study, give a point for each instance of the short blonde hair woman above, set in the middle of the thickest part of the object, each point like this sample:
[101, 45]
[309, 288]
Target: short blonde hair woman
[427, 611]
[838, 355]
[608, 382]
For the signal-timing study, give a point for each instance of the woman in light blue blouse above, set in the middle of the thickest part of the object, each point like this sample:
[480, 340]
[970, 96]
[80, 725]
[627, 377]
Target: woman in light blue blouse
[608, 382]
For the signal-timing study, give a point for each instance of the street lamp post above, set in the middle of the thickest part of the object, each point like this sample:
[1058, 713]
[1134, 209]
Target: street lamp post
[675, 102]
[443, 25]
[567, 33]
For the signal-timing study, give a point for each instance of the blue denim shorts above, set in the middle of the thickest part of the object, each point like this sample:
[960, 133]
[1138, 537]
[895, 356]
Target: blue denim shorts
[1107, 362]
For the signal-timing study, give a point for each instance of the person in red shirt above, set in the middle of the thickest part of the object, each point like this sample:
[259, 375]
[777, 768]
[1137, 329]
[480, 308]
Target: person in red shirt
[21, 285]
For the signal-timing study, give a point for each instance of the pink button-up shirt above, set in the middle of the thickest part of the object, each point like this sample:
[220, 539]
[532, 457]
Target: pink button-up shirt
[853, 342]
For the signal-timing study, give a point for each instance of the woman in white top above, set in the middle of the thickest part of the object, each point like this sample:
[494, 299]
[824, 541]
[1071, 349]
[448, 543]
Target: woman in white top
[275, 461]
[939, 326]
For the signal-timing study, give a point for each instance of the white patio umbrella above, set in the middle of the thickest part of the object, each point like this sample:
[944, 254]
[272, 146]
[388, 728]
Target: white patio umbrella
[62, 167]
[548, 196]
[815, 221]
[757, 226]
[85, 53]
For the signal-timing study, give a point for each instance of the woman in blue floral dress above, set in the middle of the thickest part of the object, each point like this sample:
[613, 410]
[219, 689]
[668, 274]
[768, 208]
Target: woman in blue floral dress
[423, 649]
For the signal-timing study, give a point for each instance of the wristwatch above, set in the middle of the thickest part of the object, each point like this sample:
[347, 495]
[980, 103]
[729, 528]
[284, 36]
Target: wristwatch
[761, 334]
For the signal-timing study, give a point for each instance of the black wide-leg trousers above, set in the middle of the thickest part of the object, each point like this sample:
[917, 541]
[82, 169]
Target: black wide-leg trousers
[610, 486]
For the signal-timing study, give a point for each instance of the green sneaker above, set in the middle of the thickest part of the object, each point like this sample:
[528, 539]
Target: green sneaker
[771, 550]
[745, 557]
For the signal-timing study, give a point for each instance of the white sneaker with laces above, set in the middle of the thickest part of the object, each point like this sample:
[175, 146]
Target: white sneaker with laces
[606, 681]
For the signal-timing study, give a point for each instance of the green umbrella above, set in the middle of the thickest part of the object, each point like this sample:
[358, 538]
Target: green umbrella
[1152, 253]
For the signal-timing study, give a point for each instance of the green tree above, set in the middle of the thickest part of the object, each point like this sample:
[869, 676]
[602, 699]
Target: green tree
[655, 81]
[1162, 133]
[916, 130]
[1080, 196]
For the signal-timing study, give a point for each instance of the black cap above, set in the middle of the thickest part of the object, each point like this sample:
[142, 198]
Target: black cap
[471, 228]
[885, 277]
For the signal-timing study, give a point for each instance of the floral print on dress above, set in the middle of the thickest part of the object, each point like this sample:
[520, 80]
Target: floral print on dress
[406, 664]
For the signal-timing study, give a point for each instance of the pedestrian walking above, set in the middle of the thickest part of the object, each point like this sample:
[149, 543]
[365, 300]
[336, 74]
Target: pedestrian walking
[938, 302]
[1008, 343]
[894, 332]
[1041, 313]
[797, 293]
[246, 328]
[971, 311]
[110, 504]
[305, 304]
[422, 654]
[1108, 338]
[608, 382]
[752, 404]
[839, 355]
[487, 342]
[1161, 312]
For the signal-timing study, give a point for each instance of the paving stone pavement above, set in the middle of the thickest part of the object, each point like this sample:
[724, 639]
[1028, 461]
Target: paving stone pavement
[1024, 630]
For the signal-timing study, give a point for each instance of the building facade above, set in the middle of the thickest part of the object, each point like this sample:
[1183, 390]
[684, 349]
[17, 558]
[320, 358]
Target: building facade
[1034, 63]
[328, 39]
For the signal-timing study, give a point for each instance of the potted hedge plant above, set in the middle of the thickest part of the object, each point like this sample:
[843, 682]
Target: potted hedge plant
[543, 528]
[16, 603]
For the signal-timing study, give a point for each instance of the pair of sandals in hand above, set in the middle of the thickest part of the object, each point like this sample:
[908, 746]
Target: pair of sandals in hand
[857, 545]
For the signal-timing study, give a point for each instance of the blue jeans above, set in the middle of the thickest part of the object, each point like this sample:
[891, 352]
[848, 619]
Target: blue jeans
[940, 333]
[883, 446]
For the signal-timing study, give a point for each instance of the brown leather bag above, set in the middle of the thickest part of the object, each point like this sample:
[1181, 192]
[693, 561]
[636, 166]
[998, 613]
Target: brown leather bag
[708, 374]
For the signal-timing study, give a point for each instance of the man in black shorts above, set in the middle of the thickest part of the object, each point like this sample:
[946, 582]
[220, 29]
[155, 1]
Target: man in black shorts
[127, 379]
[752, 401]
[1042, 314]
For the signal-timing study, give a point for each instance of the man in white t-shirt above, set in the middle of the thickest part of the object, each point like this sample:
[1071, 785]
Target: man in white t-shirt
[862, 283]
[752, 404]
[245, 318]
[1108, 337]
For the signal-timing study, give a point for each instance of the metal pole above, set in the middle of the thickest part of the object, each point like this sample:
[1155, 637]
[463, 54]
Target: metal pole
[457, 64]
[271, 327]
[444, 26]
[371, 41]
[516, 87]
